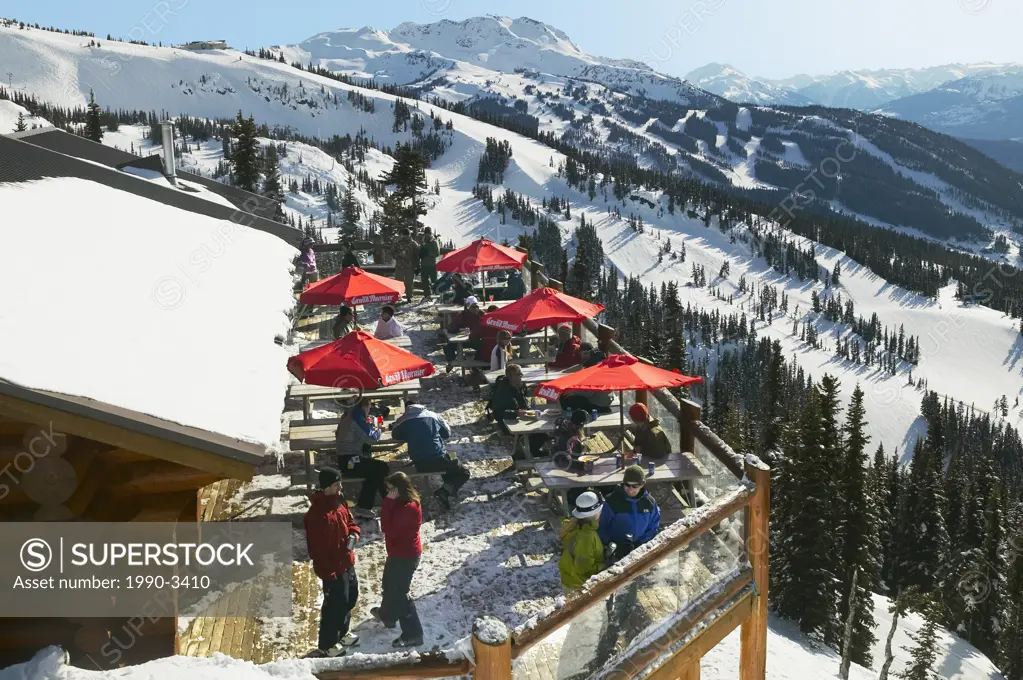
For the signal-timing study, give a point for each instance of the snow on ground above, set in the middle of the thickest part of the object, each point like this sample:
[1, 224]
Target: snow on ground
[124, 300]
[9, 117]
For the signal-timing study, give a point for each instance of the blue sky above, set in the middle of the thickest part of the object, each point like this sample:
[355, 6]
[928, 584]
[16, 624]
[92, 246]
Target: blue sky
[770, 38]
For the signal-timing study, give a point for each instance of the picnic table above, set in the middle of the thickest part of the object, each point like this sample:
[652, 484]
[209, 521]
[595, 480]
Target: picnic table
[677, 467]
[531, 375]
[547, 424]
[309, 393]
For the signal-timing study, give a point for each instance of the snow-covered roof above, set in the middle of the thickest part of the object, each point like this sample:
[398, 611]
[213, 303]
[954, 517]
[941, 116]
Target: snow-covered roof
[144, 306]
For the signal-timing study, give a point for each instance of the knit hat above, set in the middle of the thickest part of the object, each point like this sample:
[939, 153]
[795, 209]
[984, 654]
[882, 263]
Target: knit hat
[634, 474]
[471, 300]
[586, 505]
[328, 477]
[639, 413]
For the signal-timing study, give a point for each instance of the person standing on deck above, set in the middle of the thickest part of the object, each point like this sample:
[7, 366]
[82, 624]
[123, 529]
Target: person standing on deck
[630, 516]
[516, 287]
[331, 534]
[400, 520]
[307, 264]
[425, 433]
[405, 252]
[429, 251]
[350, 259]
[582, 554]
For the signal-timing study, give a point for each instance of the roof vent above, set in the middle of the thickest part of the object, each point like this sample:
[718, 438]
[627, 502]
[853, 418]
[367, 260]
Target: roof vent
[169, 166]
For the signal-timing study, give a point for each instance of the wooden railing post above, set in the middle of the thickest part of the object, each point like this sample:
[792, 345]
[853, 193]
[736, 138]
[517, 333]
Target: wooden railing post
[643, 397]
[691, 672]
[690, 412]
[753, 653]
[491, 644]
[556, 285]
[535, 270]
[605, 336]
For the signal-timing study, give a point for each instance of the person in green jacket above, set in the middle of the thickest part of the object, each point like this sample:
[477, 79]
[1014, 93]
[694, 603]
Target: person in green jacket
[429, 251]
[583, 553]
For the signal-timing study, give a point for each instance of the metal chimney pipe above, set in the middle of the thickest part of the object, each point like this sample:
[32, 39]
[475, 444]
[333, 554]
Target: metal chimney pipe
[169, 164]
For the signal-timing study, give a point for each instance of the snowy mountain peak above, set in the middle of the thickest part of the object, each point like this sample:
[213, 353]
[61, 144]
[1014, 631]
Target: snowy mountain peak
[731, 83]
[482, 48]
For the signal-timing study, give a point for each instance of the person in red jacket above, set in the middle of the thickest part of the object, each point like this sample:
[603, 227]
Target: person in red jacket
[331, 533]
[568, 349]
[401, 519]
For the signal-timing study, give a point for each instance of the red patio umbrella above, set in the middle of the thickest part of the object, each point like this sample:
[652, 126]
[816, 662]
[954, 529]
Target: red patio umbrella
[540, 309]
[616, 373]
[358, 360]
[352, 286]
[482, 255]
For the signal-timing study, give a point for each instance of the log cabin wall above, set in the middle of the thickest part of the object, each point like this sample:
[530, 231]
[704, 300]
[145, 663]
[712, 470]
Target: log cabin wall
[70, 478]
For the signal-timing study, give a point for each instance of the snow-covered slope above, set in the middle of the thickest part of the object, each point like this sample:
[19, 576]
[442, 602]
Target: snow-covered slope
[736, 86]
[9, 117]
[987, 106]
[413, 53]
[62, 68]
[868, 90]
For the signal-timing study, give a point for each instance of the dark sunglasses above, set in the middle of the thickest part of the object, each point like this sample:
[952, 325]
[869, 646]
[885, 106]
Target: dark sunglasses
[630, 485]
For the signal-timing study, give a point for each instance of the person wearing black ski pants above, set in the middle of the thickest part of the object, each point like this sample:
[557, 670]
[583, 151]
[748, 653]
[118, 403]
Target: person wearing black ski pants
[339, 598]
[372, 472]
[455, 474]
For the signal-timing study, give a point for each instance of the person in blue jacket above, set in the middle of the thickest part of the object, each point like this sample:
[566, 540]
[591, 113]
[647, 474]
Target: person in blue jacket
[425, 433]
[629, 519]
[630, 516]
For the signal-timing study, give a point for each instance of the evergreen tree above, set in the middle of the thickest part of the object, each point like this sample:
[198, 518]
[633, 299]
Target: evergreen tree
[921, 539]
[405, 205]
[245, 154]
[925, 644]
[20, 125]
[858, 530]
[272, 182]
[807, 593]
[93, 127]
[1010, 653]
[350, 209]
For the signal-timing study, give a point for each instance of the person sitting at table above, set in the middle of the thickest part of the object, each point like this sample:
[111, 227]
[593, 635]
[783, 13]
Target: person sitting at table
[630, 516]
[353, 438]
[508, 403]
[463, 288]
[651, 439]
[568, 348]
[484, 338]
[502, 352]
[582, 554]
[568, 446]
[344, 322]
[516, 287]
[467, 318]
[387, 326]
[590, 355]
[425, 432]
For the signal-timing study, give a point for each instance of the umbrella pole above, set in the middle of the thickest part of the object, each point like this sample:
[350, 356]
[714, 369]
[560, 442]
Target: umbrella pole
[621, 414]
[546, 353]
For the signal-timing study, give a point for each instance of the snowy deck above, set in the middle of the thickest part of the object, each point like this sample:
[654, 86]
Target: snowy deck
[496, 553]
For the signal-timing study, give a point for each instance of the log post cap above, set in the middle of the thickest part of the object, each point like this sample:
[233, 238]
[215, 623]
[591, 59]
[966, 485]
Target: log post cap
[490, 631]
